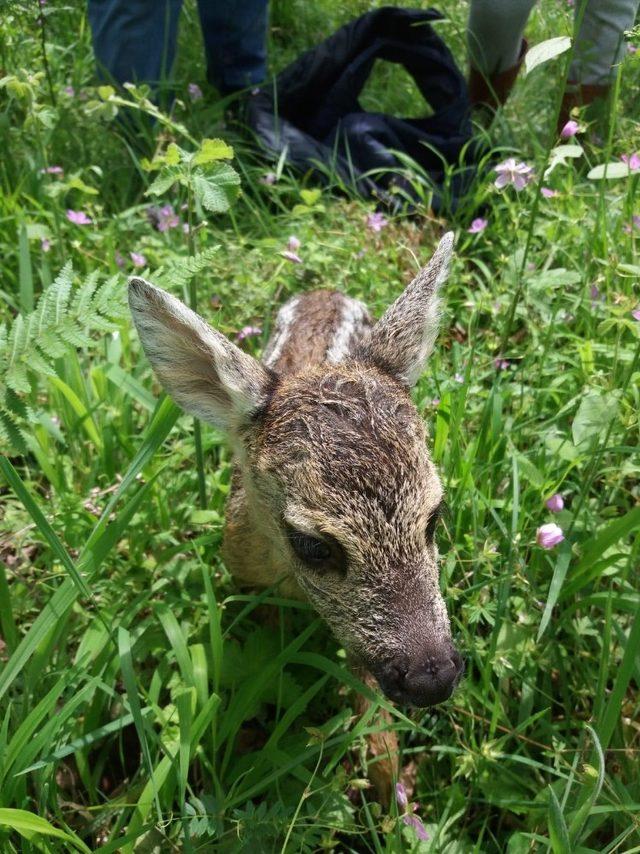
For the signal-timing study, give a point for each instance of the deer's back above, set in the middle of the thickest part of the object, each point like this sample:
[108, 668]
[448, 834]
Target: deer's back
[315, 327]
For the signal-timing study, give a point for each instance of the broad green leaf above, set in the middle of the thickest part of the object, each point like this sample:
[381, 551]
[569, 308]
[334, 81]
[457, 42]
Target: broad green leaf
[544, 51]
[212, 150]
[76, 183]
[593, 417]
[617, 169]
[173, 155]
[310, 197]
[106, 92]
[559, 156]
[167, 178]
[217, 189]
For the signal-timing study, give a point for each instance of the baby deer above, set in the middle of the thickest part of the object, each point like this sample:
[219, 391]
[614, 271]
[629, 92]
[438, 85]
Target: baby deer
[334, 492]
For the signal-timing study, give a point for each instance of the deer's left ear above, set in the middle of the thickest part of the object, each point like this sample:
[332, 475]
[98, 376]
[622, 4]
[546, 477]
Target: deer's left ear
[403, 338]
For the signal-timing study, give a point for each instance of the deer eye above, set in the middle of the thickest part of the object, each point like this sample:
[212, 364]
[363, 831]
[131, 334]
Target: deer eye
[319, 554]
[432, 524]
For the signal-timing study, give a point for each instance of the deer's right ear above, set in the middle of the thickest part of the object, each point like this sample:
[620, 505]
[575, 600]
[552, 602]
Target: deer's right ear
[202, 370]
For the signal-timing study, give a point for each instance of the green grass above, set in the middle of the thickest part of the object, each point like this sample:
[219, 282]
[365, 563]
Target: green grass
[148, 704]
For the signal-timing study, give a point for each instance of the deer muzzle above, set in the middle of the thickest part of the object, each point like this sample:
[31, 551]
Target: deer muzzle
[424, 680]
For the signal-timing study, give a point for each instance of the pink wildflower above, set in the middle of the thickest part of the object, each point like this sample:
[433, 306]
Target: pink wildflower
[501, 364]
[512, 172]
[293, 244]
[636, 313]
[248, 332]
[78, 217]
[45, 244]
[570, 129]
[435, 402]
[53, 170]
[291, 256]
[415, 822]
[138, 259]
[632, 161]
[118, 259]
[555, 503]
[377, 221]
[549, 535]
[548, 193]
[630, 226]
[269, 178]
[401, 796]
[70, 91]
[479, 224]
[195, 92]
[163, 218]
[459, 378]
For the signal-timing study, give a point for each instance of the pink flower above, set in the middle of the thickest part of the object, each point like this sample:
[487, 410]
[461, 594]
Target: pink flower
[45, 244]
[478, 225]
[138, 259]
[636, 313]
[570, 129]
[435, 402]
[248, 332]
[53, 170]
[293, 244]
[630, 226]
[291, 256]
[512, 172]
[377, 221]
[70, 91]
[594, 293]
[269, 178]
[118, 259]
[459, 378]
[78, 217]
[415, 822]
[631, 48]
[549, 535]
[632, 161]
[401, 796]
[195, 92]
[163, 218]
[548, 193]
[501, 364]
[555, 503]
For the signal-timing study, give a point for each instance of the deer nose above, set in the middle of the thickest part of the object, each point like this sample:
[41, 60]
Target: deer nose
[425, 682]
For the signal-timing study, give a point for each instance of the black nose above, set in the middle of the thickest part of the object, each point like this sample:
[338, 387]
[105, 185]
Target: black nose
[426, 681]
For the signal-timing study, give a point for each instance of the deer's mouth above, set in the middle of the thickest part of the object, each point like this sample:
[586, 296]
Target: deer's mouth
[426, 682]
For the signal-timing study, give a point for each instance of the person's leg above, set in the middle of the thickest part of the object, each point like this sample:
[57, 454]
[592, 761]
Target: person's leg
[599, 43]
[496, 47]
[235, 42]
[494, 33]
[134, 40]
[599, 46]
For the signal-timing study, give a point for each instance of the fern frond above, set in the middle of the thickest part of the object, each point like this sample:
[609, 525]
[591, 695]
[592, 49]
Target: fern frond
[179, 274]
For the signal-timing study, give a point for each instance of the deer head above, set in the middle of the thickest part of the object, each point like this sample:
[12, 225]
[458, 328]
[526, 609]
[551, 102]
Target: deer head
[336, 472]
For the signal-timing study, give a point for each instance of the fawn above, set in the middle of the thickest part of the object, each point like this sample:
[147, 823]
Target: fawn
[334, 492]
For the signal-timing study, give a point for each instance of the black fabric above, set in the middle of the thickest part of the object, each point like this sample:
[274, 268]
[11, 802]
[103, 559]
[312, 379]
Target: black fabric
[312, 110]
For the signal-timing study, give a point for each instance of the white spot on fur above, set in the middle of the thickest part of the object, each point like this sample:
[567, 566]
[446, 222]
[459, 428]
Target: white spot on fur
[284, 324]
[353, 320]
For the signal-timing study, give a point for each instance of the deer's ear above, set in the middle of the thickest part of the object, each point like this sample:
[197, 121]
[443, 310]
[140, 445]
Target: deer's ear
[201, 369]
[403, 338]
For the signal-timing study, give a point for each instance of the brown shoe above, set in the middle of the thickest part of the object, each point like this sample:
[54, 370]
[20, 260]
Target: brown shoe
[493, 91]
[577, 95]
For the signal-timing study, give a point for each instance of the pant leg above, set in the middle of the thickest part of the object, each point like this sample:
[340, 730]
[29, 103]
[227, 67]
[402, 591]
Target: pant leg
[235, 42]
[599, 43]
[494, 33]
[134, 40]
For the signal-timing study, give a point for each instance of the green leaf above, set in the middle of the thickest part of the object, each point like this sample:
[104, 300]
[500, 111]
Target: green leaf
[559, 155]
[167, 178]
[28, 825]
[310, 197]
[595, 413]
[216, 191]
[106, 92]
[617, 169]
[212, 150]
[544, 51]
[558, 833]
[559, 573]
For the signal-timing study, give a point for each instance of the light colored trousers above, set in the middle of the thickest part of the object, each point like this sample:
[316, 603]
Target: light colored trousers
[496, 28]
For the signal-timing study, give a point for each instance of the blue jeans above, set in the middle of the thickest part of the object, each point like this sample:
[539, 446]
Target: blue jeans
[135, 40]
